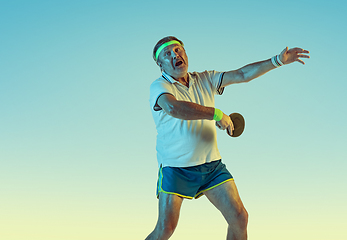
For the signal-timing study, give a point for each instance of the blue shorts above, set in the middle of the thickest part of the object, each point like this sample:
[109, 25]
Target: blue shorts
[192, 182]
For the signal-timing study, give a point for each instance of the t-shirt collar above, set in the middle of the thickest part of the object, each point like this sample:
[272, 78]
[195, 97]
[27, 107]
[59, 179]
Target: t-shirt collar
[172, 80]
[168, 77]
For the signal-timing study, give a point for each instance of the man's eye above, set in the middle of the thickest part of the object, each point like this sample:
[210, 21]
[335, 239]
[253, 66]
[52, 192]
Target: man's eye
[167, 53]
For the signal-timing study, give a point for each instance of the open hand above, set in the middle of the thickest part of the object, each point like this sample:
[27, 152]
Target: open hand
[293, 55]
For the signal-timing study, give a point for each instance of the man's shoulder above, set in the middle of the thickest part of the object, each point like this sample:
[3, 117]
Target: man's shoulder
[160, 80]
[205, 75]
[160, 84]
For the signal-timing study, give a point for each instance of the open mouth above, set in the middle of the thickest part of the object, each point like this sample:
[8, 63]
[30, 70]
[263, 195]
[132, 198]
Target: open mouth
[178, 63]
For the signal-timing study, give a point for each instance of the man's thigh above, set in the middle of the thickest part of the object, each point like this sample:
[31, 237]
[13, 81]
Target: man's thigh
[169, 208]
[226, 199]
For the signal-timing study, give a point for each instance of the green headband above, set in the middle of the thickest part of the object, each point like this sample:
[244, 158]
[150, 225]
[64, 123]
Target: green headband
[163, 46]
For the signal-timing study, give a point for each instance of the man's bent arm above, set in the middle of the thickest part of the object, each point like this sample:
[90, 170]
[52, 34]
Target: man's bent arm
[191, 111]
[184, 110]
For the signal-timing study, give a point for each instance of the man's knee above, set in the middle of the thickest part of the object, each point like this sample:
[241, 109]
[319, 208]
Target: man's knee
[169, 208]
[238, 218]
[242, 218]
[164, 231]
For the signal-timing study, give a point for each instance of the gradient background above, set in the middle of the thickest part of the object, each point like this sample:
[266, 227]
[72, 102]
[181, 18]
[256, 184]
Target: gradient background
[77, 139]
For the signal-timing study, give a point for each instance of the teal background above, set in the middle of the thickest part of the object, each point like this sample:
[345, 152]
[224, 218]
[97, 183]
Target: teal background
[77, 139]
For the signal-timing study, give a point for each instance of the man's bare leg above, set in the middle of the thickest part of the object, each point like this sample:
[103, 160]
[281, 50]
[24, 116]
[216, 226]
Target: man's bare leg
[227, 200]
[169, 210]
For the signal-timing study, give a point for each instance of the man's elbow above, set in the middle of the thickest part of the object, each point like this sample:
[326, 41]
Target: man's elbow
[244, 77]
[171, 109]
[241, 76]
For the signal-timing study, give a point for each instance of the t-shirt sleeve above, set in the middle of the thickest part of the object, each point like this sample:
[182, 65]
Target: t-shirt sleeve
[215, 79]
[158, 88]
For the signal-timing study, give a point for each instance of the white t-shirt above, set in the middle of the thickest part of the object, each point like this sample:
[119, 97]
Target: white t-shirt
[185, 143]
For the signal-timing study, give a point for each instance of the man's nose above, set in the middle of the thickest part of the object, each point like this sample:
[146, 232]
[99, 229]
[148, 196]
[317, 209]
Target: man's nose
[174, 54]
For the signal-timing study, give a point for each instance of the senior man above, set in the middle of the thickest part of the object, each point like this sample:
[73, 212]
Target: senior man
[182, 105]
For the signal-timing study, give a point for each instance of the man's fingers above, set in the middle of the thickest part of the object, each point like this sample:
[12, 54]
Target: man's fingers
[284, 50]
[225, 123]
[223, 127]
[303, 56]
[299, 50]
[300, 61]
[296, 49]
[230, 129]
[219, 126]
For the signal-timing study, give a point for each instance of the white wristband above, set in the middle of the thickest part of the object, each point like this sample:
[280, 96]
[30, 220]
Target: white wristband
[276, 61]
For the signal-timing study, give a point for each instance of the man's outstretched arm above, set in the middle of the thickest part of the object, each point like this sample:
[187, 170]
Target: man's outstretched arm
[254, 70]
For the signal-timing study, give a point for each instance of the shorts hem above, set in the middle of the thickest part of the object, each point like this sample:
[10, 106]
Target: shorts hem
[173, 193]
[199, 194]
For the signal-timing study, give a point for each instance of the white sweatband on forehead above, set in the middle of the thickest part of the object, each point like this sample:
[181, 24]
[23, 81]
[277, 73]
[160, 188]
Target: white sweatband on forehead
[163, 46]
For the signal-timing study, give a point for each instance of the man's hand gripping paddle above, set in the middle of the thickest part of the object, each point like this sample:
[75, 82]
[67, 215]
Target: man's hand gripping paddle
[239, 124]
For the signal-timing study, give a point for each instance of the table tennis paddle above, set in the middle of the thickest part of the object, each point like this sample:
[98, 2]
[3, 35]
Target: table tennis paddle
[239, 124]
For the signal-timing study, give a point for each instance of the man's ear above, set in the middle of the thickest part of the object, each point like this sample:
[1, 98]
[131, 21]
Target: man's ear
[159, 64]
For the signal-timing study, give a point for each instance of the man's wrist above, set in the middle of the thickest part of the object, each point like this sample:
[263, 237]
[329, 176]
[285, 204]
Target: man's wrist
[218, 115]
[275, 60]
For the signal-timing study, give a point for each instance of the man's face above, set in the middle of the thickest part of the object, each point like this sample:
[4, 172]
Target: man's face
[174, 61]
